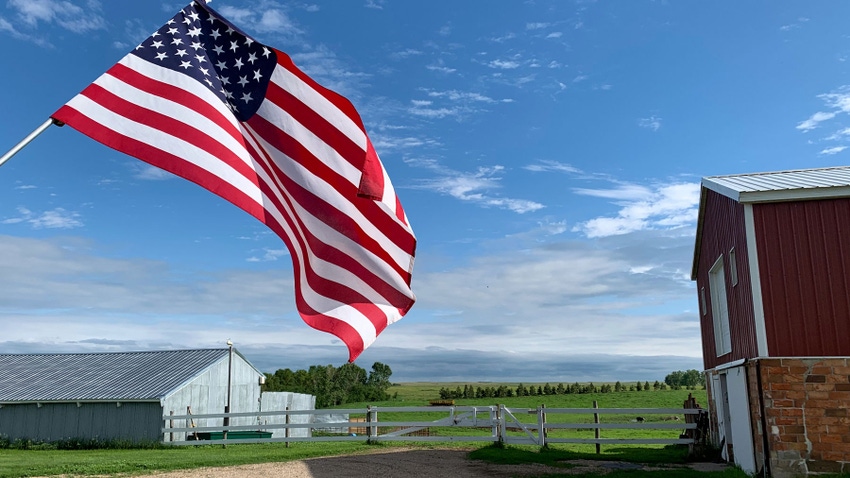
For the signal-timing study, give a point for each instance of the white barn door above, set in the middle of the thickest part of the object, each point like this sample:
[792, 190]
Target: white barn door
[733, 414]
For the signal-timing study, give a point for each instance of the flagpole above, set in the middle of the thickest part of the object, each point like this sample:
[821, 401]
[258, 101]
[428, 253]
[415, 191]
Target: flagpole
[28, 139]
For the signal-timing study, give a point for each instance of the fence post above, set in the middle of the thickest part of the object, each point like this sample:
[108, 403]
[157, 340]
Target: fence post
[287, 426]
[541, 425]
[500, 422]
[171, 425]
[596, 434]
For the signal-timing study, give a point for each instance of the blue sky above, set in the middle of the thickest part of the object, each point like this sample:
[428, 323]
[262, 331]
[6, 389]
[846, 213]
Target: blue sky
[548, 155]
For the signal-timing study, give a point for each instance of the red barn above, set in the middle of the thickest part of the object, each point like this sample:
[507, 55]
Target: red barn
[772, 268]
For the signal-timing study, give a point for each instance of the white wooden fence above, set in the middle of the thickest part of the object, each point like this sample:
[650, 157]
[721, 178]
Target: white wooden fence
[495, 423]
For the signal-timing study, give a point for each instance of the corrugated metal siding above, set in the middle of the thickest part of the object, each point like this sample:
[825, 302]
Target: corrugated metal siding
[105, 376]
[138, 421]
[207, 393]
[804, 258]
[723, 230]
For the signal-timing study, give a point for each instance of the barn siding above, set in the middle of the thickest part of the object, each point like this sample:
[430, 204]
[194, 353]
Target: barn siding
[804, 258]
[136, 421]
[207, 393]
[724, 229]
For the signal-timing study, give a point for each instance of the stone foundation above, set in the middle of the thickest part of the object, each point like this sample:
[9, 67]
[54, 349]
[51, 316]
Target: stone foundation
[806, 423]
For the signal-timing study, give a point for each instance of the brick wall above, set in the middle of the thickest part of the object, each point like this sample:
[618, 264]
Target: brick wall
[806, 417]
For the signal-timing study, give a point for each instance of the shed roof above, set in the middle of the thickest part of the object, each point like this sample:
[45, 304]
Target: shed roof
[128, 376]
[783, 185]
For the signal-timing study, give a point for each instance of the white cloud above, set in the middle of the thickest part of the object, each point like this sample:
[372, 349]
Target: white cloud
[536, 26]
[548, 165]
[504, 64]
[375, 4]
[814, 120]
[833, 150]
[58, 218]
[406, 53]
[150, 173]
[554, 35]
[653, 123]
[475, 187]
[64, 13]
[641, 208]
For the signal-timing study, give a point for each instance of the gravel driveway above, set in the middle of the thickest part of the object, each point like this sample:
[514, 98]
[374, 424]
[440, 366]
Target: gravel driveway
[400, 463]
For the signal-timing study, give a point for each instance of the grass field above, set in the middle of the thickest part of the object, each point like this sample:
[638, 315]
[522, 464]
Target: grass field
[24, 463]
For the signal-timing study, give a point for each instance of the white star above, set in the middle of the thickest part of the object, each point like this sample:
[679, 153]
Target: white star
[246, 97]
[200, 59]
[194, 16]
[208, 82]
[172, 31]
[204, 71]
[243, 80]
[257, 75]
[156, 44]
[139, 46]
[176, 41]
[185, 65]
[161, 56]
[187, 21]
[170, 22]
[181, 53]
[266, 52]
[196, 45]
[233, 46]
[228, 94]
[211, 19]
[218, 50]
[248, 41]
[252, 58]
[230, 30]
[215, 34]
[221, 65]
[225, 80]
[155, 34]
[238, 63]
[194, 32]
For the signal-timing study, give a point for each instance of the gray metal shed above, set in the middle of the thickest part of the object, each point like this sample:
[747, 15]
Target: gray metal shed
[120, 395]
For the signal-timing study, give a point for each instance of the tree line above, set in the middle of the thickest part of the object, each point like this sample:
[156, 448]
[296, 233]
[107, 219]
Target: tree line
[690, 379]
[333, 385]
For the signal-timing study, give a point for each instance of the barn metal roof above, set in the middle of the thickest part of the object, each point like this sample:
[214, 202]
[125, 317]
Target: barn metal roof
[128, 376]
[783, 185]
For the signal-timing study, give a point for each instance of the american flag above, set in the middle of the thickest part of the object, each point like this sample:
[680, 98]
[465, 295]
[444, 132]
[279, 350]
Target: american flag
[205, 101]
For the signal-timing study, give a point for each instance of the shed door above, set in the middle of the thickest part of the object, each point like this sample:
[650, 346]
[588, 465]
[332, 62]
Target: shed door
[737, 411]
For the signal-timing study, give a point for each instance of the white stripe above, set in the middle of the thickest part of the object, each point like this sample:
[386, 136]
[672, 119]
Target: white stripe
[329, 235]
[175, 110]
[305, 178]
[305, 136]
[165, 142]
[320, 104]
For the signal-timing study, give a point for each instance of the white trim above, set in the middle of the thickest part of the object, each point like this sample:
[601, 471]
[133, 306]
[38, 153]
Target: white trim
[755, 282]
[721, 368]
[720, 308]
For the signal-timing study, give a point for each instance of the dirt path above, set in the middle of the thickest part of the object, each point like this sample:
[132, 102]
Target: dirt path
[401, 463]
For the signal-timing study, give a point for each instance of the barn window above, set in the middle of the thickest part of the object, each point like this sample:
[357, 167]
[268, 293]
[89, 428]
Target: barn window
[719, 308]
[733, 267]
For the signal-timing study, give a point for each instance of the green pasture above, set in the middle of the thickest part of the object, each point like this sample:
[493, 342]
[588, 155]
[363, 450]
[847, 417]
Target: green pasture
[51, 462]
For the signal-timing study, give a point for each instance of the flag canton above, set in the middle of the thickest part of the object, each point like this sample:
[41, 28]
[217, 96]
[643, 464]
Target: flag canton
[232, 65]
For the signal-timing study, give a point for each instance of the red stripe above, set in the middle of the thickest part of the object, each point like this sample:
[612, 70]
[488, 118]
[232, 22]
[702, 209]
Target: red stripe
[150, 154]
[320, 248]
[319, 208]
[170, 126]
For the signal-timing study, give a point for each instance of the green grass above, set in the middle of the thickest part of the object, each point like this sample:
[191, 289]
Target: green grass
[24, 463]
